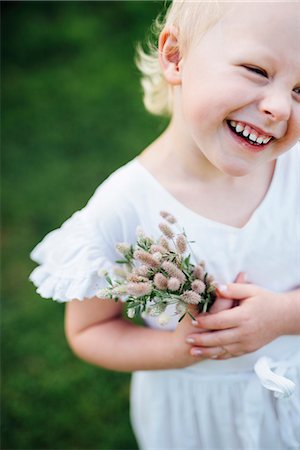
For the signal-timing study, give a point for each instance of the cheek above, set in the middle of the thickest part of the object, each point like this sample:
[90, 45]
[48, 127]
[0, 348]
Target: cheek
[293, 125]
[210, 102]
[296, 127]
[291, 138]
[197, 113]
[200, 109]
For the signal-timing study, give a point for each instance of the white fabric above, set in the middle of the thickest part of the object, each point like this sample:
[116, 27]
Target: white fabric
[212, 404]
[281, 386]
[182, 410]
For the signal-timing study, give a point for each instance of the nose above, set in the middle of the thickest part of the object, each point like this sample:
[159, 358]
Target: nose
[276, 104]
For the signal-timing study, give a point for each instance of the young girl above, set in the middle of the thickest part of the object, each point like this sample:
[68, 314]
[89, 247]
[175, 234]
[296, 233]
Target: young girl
[227, 167]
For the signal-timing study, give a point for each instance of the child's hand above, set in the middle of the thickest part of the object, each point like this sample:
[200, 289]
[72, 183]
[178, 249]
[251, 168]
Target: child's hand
[243, 329]
[188, 354]
[180, 348]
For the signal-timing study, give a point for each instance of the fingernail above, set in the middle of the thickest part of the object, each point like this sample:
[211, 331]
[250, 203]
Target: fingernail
[194, 322]
[214, 356]
[222, 288]
[196, 351]
[190, 340]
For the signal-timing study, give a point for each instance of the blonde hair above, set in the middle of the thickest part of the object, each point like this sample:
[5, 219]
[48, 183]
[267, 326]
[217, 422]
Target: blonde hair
[192, 19]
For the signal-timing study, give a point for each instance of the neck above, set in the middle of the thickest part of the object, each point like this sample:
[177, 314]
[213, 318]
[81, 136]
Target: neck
[187, 159]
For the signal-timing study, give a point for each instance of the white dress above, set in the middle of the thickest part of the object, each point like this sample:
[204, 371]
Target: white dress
[212, 404]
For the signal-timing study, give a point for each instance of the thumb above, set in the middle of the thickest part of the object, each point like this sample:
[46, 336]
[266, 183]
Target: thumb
[241, 278]
[240, 291]
[221, 303]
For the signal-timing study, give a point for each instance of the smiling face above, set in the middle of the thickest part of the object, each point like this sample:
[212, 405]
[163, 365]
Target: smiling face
[240, 87]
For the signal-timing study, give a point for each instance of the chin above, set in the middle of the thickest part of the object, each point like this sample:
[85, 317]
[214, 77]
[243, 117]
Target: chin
[235, 170]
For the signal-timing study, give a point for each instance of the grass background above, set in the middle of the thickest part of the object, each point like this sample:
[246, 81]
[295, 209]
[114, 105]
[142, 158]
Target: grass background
[72, 114]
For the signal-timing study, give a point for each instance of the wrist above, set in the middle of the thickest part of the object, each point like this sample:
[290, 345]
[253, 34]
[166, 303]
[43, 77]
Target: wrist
[175, 350]
[180, 352]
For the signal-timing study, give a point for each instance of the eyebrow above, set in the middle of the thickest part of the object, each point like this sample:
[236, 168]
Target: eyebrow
[262, 51]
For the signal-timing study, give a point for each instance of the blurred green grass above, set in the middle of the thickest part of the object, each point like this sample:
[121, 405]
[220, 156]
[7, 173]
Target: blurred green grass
[72, 114]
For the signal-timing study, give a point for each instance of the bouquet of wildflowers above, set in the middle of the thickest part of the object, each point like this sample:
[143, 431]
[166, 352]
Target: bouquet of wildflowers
[158, 273]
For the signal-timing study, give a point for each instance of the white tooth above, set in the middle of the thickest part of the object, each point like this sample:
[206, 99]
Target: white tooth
[239, 128]
[253, 137]
[265, 141]
[259, 140]
[246, 132]
[233, 123]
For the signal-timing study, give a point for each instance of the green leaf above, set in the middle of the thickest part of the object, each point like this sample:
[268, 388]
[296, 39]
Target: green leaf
[204, 309]
[108, 279]
[186, 260]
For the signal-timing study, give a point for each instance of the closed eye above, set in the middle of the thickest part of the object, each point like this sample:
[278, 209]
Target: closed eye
[257, 70]
[297, 90]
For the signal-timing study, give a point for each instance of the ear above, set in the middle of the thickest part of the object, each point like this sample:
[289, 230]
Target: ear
[169, 56]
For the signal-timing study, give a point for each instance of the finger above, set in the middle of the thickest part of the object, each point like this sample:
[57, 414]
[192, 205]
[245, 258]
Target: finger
[216, 352]
[239, 291]
[219, 321]
[210, 352]
[241, 278]
[221, 304]
[214, 339]
[231, 351]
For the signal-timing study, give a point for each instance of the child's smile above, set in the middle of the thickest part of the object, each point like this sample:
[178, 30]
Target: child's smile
[256, 140]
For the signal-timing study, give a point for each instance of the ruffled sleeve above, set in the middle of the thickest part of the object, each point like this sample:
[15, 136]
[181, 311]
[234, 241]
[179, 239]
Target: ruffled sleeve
[71, 260]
